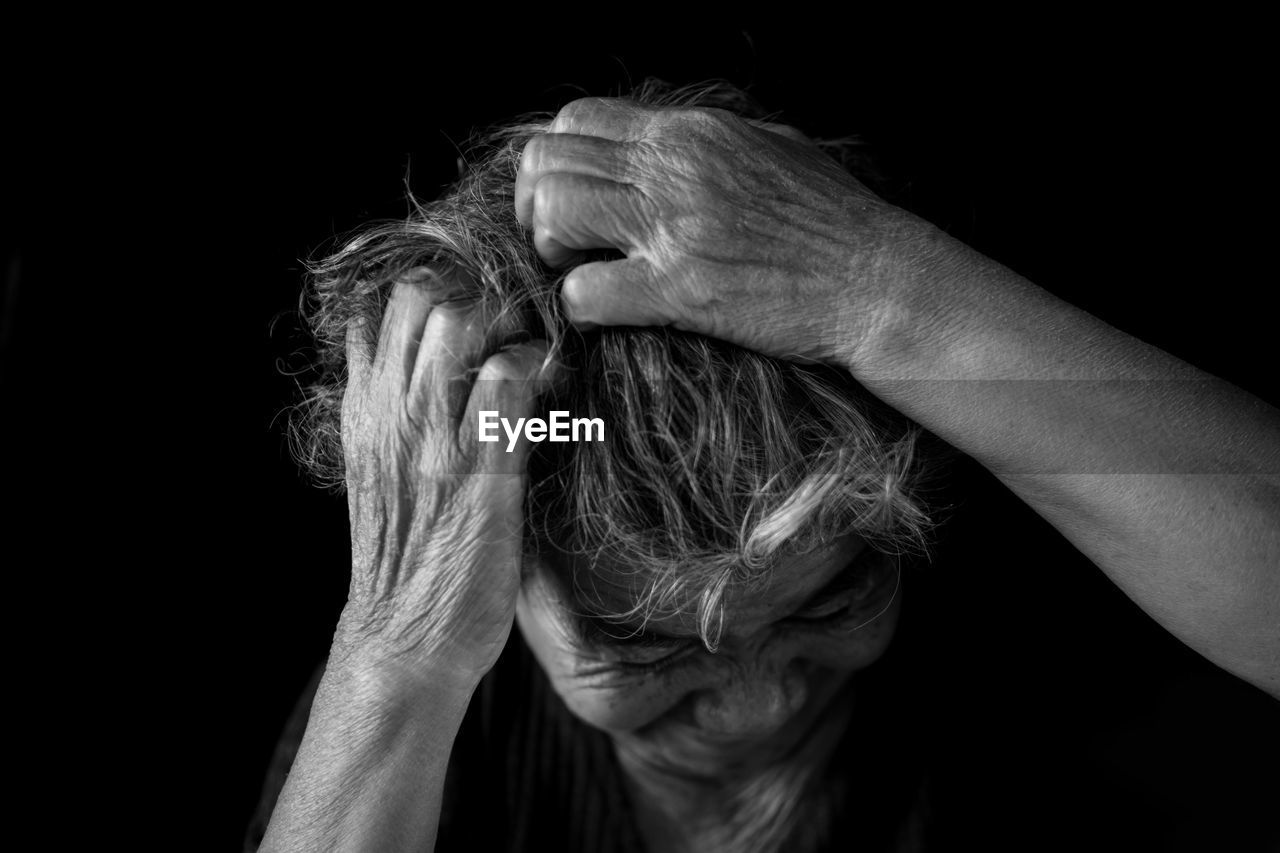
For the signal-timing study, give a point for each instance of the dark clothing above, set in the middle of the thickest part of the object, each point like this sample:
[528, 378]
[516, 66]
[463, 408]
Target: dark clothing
[1053, 713]
[525, 774]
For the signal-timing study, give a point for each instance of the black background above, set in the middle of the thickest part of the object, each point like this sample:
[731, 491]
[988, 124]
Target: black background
[165, 194]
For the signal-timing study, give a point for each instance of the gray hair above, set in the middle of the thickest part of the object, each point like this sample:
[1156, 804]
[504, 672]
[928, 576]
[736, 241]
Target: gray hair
[717, 460]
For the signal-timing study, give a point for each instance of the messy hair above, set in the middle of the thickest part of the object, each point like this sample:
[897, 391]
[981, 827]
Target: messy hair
[716, 461]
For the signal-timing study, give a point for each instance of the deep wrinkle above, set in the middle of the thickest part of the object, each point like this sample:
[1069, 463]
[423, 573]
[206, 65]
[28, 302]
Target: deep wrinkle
[718, 721]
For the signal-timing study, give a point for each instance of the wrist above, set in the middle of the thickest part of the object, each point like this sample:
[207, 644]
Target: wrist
[376, 668]
[908, 302]
[370, 770]
[377, 663]
[365, 712]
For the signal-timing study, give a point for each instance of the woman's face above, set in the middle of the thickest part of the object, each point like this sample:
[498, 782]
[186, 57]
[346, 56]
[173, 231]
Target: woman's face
[786, 650]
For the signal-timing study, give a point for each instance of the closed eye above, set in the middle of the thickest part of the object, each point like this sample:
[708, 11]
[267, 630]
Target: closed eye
[867, 576]
[656, 665]
[632, 650]
[825, 611]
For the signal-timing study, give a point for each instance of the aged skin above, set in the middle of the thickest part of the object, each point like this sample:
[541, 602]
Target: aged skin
[786, 645]
[699, 726]
[734, 231]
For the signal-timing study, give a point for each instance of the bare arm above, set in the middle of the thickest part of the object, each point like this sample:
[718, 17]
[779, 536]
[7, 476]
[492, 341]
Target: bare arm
[436, 537]
[370, 772]
[1165, 477]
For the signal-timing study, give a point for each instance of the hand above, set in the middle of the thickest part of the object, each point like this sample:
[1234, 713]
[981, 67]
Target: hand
[436, 515]
[735, 230]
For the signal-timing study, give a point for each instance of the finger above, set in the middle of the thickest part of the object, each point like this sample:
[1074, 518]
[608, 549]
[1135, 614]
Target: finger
[573, 213]
[555, 253]
[510, 383]
[360, 350]
[452, 345]
[402, 326]
[612, 118]
[564, 152]
[617, 293]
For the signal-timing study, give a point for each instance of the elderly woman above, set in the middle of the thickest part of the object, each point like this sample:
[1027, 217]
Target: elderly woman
[699, 593]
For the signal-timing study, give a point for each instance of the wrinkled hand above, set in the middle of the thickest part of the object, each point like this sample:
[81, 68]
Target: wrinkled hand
[736, 230]
[436, 515]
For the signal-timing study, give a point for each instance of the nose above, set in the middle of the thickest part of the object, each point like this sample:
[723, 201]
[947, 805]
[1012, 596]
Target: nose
[751, 702]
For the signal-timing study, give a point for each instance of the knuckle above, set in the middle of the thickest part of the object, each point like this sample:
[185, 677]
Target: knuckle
[357, 337]
[579, 109]
[698, 125]
[684, 115]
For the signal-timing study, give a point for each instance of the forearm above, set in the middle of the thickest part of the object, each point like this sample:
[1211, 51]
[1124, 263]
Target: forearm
[370, 772]
[1164, 476]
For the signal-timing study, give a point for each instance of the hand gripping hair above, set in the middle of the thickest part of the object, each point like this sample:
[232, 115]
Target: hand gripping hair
[716, 459]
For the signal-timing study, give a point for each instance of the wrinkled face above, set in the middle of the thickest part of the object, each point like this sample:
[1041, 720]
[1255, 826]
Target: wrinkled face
[786, 651]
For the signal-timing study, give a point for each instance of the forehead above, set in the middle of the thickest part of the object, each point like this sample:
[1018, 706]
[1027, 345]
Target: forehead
[604, 590]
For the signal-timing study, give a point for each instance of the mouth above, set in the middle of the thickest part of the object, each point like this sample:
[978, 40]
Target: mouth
[679, 747]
